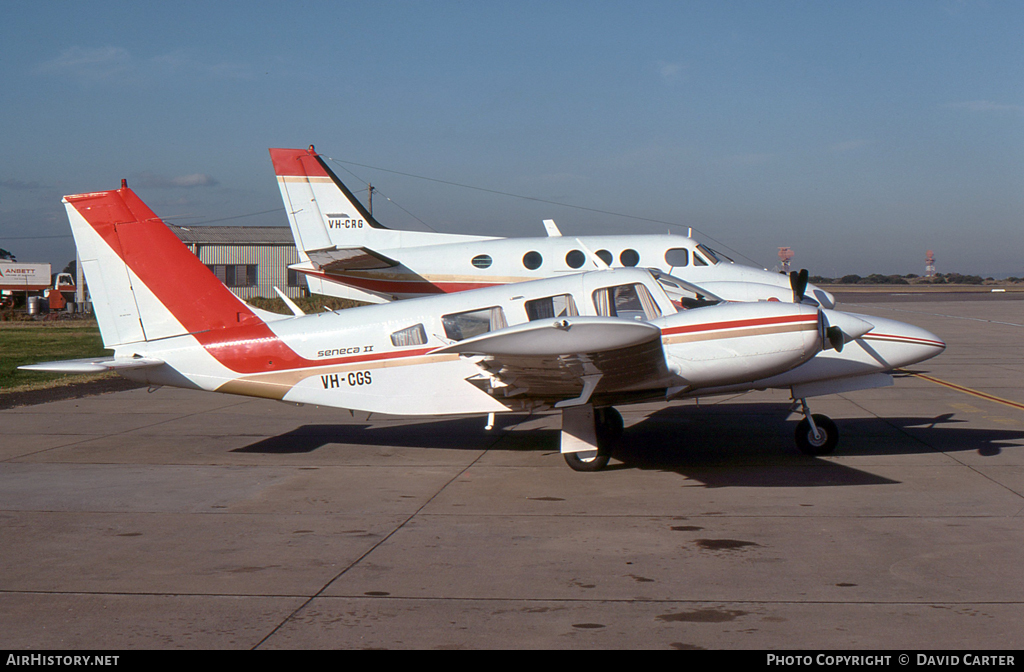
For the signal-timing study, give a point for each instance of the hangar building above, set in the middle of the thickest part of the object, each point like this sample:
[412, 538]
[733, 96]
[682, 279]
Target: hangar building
[250, 260]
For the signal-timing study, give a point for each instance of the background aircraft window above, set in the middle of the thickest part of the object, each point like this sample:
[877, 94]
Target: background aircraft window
[677, 256]
[414, 335]
[629, 258]
[605, 256]
[482, 261]
[698, 260]
[629, 301]
[551, 306]
[532, 260]
[575, 258]
[460, 326]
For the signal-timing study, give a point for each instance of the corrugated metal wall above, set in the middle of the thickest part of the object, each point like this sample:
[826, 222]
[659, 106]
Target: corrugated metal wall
[271, 266]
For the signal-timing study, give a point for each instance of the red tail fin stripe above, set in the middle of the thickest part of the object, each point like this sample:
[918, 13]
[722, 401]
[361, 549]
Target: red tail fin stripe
[296, 163]
[220, 321]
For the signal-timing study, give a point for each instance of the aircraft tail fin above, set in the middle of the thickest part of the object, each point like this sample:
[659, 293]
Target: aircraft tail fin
[144, 282]
[321, 210]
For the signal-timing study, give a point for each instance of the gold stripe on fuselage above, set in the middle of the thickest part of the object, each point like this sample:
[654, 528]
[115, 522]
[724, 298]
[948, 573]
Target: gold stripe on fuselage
[276, 384]
[736, 333]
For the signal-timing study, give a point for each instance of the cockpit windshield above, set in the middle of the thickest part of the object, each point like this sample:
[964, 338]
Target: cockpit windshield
[708, 253]
[720, 256]
[684, 294]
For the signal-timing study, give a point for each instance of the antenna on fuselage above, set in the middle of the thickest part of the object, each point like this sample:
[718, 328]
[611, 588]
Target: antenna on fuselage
[597, 261]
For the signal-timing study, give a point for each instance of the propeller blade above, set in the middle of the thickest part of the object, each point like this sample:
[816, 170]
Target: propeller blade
[798, 281]
[835, 338]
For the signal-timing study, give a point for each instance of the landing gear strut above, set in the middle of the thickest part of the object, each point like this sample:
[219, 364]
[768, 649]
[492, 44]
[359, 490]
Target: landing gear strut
[816, 434]
[593, 429]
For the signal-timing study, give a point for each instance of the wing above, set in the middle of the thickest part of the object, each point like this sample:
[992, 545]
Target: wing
[567, 361]
[93, 365]
[339, 259]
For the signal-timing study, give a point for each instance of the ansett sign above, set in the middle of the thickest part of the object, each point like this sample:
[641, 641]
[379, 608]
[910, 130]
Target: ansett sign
[24, 276]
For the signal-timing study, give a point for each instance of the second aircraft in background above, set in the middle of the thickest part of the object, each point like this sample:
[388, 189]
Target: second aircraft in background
[345, 252]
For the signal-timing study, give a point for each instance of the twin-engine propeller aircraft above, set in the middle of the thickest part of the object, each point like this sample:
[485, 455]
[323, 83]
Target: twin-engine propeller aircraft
[345, 252]
[577, 343]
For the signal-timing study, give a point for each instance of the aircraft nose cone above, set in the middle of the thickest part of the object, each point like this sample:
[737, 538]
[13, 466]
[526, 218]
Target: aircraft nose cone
[910, 344]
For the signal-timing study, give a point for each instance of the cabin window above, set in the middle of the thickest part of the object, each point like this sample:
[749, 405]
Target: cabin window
[414, 335]
[482, 261]
[561, 305]
[677, 256]
[460, 326]
[698, 260]
[532, 260]
[629, 258]
[629, 301]
[605, 256]
[575, 258]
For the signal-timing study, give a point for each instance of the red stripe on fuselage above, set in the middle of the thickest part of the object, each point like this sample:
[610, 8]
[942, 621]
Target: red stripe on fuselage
[739, 324]
[903, 339]
[403, 286]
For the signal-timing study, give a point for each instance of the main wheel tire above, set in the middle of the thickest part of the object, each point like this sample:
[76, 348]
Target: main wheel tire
[589, 460]
[828, 436]
[609, 427]
[609, 424]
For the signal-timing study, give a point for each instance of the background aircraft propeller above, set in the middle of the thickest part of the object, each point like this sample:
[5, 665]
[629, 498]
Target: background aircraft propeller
[798, 281]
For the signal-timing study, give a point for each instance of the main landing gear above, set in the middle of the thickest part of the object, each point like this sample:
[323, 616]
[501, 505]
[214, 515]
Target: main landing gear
[816, 434]
[588, 434]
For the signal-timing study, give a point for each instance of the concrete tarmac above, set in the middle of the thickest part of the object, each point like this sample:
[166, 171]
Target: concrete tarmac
[190, 520]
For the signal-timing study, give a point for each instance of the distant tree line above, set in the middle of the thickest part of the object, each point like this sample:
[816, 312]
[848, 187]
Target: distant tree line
[910, 278]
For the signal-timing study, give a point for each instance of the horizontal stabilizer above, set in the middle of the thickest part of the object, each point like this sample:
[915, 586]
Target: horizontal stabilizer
[94, 365]
[547, 338]
[340, 259]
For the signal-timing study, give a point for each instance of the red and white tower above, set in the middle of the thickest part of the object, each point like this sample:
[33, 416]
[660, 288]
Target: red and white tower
[929, 264]
[785, 255]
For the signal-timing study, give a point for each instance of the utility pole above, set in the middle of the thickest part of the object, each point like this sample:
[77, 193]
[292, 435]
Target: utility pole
[369, 196]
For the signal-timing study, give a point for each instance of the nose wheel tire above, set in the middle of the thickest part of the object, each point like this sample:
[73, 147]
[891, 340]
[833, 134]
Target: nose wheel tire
[824, 443]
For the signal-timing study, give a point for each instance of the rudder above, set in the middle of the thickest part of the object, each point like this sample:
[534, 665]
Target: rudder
[322, 212]
[144, 282]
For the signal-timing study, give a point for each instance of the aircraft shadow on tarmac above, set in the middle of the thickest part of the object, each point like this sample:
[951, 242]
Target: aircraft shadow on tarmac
[721, 445]
[462, 433]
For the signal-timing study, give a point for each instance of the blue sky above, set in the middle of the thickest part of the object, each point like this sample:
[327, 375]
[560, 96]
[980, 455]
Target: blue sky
[860, 134]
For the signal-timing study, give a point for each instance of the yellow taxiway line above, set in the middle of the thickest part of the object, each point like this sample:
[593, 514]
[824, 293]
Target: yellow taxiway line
[967, 390]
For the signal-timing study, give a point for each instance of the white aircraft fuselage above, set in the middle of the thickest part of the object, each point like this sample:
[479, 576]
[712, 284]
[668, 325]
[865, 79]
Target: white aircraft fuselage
[345, 252]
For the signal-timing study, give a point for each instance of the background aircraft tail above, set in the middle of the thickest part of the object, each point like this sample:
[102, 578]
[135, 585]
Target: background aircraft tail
[144, 282]
[322, 212]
